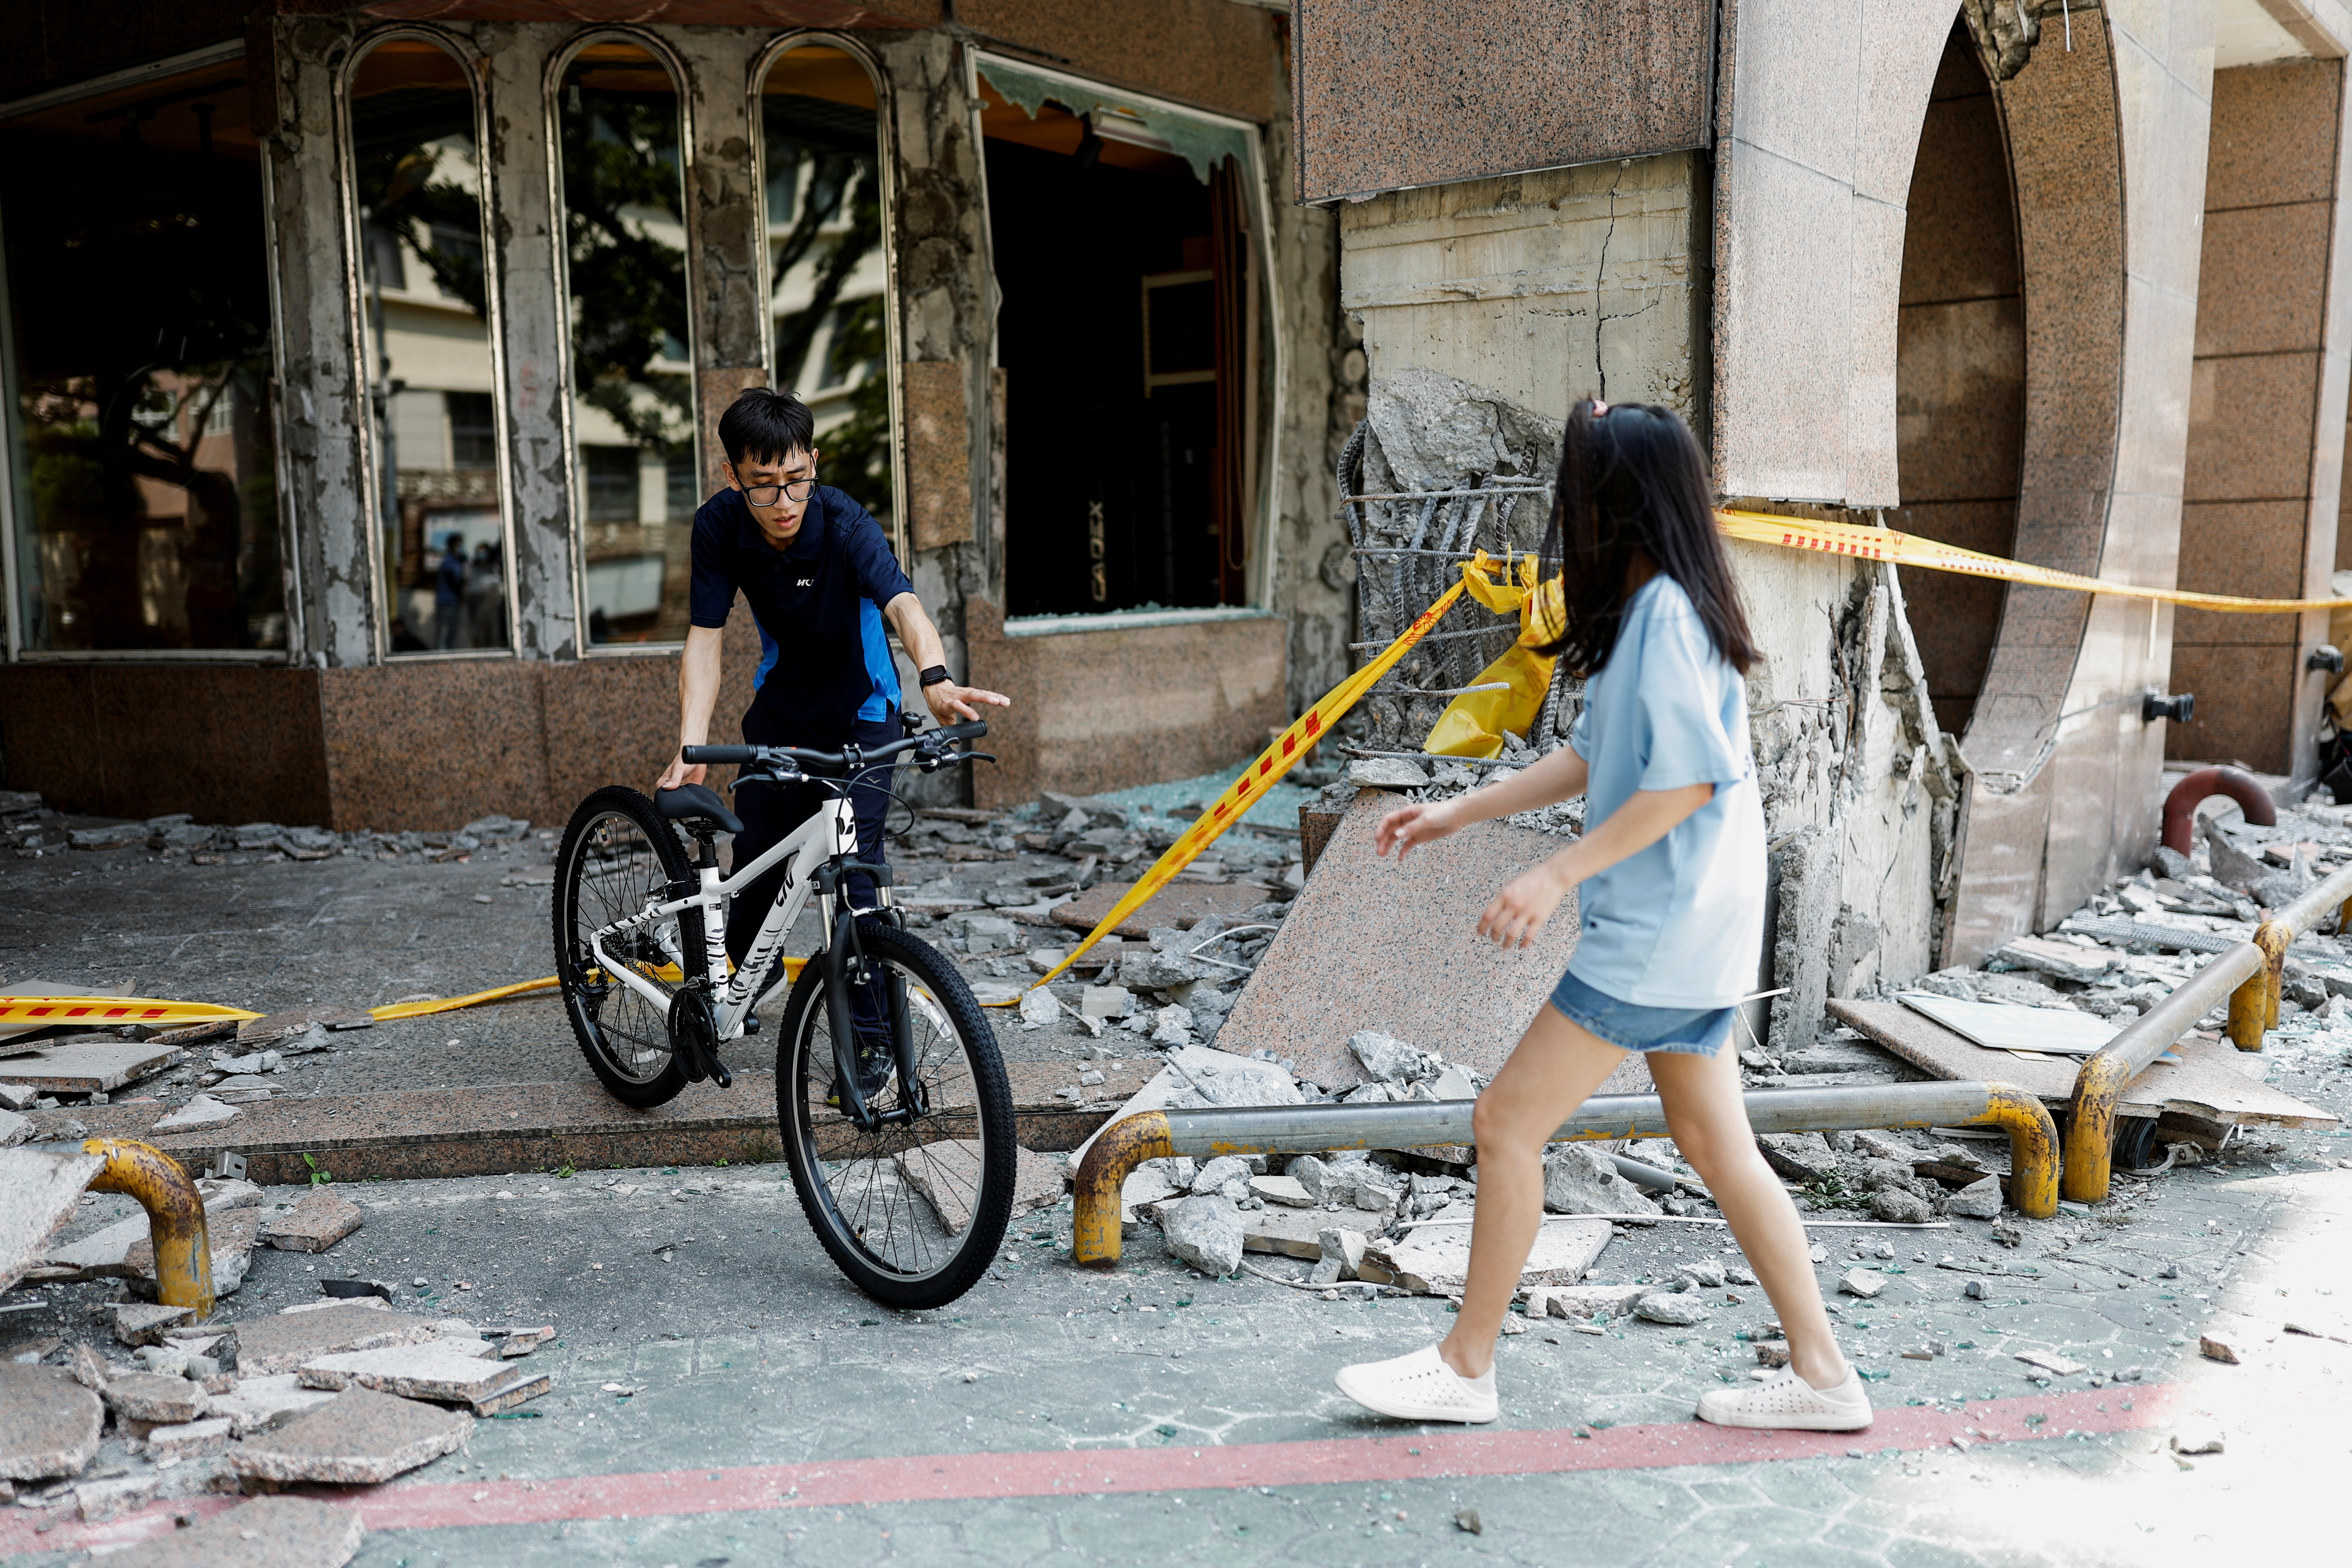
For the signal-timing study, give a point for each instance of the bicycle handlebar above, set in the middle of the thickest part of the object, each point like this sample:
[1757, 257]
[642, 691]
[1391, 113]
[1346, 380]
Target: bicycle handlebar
[934, 741]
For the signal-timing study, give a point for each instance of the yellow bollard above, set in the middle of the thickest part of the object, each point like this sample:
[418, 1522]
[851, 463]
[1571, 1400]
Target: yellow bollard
[176, 1217]
[1095, 1192]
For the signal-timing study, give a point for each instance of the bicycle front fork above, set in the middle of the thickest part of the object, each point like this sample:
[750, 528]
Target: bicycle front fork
[847, 968]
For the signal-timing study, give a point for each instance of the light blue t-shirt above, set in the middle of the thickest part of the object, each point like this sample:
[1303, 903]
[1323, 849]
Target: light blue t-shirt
[1681, 924]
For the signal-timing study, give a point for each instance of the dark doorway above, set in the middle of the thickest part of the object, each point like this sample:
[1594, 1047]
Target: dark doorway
[1125, 295]
[1960, 373]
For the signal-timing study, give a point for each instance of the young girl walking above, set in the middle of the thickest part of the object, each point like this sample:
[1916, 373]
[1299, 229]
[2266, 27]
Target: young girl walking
[1671, 868]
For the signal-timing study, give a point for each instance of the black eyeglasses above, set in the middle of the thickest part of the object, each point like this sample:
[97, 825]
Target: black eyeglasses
[767, 495]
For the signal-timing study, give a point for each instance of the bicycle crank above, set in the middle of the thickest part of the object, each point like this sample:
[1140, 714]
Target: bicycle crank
[694, 1038]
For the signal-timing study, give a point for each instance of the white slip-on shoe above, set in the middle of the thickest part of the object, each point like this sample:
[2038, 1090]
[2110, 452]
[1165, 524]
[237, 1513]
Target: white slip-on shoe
[1420, 1387]
[1789, 1402]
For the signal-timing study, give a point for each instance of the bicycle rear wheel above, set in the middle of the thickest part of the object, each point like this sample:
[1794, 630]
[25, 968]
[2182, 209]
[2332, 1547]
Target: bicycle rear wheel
[618, 857]
[913, 1212]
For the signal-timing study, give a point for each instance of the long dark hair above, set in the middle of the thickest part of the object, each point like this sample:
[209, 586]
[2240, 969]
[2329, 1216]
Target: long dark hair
[1631, 477]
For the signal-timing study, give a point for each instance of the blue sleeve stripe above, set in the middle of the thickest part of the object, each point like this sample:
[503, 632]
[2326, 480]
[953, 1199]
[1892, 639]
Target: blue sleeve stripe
[880, 668]
[768, 652]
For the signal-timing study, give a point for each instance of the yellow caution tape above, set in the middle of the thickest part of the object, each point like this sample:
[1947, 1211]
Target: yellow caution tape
[451, 1004]
[668, 971]
[40, 1011]
[1910, 550]
[1271, 763]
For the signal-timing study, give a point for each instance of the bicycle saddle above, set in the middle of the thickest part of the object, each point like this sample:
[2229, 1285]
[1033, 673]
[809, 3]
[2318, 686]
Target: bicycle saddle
[688, 802]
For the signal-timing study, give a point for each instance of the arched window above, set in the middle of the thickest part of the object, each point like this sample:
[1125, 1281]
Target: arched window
[632, 416]
[828, 282]
[431, 389]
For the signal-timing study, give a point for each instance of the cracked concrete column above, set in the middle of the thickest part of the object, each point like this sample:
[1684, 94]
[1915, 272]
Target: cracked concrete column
[524, 240]
[323, 499]
[725, 217]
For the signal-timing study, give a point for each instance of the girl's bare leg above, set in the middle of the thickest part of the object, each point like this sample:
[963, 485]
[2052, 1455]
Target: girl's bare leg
[1709, 1122]
[1553, 1070]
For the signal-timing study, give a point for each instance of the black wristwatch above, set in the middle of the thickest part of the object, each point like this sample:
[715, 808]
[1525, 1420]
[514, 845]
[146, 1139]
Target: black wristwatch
[936, 676]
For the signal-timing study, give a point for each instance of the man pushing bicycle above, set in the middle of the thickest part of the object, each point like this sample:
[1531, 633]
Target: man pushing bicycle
[822, 583]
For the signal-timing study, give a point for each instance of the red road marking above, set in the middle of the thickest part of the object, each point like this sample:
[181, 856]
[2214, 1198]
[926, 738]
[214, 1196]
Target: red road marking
[1081, 1472]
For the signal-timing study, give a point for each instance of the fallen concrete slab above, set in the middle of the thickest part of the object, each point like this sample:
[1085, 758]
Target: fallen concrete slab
[1393, 946]
[266, 1532]
[284, 1343]
[357, 1438]
[315, 1224]
[209, 1435]
[1436, 1257]
[49, 1424]
[38, 1193]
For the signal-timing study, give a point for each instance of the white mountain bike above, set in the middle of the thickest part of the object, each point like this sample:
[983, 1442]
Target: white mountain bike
[896, 1117]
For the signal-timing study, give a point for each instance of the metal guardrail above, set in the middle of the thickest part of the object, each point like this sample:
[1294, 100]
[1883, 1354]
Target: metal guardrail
[2252, 974]
[1318, 1129]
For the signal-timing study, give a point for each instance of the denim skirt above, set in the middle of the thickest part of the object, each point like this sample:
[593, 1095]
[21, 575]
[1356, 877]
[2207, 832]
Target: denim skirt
[1689, 1031]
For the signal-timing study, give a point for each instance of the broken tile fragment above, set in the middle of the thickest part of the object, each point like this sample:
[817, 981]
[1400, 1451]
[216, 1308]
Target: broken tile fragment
[282, 1343]
[315, 1224]
[447, 1371]
[141, 1323]
[1863, 1282]
[98, 1501]
[265, 1532]
[201, 1111]
[155, 1397]
[2054, 1364]
[2214, 1347]
[262, 1404]
[209, 1435]
[357, 1438]
[49, 1424]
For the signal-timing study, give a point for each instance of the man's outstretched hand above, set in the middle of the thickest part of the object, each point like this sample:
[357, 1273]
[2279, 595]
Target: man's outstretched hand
[950, 703]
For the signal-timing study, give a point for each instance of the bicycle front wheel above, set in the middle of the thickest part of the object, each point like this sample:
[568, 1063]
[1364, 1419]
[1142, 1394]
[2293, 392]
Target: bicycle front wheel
[914, 1210]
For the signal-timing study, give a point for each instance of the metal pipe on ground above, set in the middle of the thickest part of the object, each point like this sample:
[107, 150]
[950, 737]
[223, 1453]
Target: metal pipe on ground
[1321, 1129]
[2181, 805]
[2250, 974]
[176, 1217]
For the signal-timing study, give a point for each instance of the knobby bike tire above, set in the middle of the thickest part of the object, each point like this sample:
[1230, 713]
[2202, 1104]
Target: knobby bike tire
[581, 1001]
[989, 1116]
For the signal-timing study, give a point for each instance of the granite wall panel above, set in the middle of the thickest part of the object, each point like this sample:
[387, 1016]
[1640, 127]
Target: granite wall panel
[1390, 94]
[1096, 709]
[229, 742]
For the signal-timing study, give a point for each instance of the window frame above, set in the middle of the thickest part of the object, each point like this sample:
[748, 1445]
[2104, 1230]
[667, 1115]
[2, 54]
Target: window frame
[763, 64]
[1263, 537]
[471, 62]
[12, 578]
[559, 61]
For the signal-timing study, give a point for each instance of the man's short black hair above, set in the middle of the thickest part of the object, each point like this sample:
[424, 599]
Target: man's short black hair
[767, 425]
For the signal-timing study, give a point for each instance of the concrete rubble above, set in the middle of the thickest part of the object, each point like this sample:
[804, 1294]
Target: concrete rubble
[359, 1438]
[315, 1222]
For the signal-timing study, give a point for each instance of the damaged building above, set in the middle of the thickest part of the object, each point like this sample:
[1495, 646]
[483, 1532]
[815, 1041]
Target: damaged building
[1101, 314]
[364, 362]
[2059, 283]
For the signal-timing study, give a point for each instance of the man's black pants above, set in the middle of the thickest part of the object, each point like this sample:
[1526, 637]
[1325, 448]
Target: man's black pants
[772, 811]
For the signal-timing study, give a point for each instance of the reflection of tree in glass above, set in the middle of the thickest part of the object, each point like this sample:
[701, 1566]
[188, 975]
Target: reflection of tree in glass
[831, 176]
[439, 218]
[857, 450]
[628, 287]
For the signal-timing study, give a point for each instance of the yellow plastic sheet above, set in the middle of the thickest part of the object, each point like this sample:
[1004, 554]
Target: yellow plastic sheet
[1474, 724]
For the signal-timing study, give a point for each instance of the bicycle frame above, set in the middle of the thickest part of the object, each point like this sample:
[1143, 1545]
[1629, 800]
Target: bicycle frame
[828, 834]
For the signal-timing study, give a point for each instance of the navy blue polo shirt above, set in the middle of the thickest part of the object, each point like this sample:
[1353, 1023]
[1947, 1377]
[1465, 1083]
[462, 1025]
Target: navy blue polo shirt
[824, 659]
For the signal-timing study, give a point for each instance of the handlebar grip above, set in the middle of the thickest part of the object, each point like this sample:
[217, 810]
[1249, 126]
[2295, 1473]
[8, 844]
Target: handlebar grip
[971, 729]
[696, 756]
